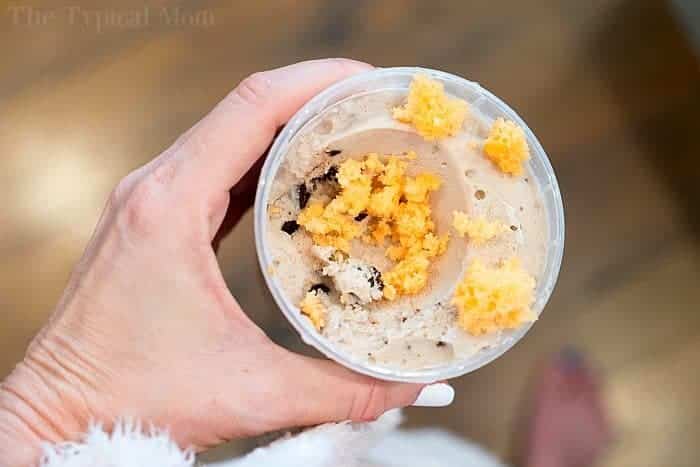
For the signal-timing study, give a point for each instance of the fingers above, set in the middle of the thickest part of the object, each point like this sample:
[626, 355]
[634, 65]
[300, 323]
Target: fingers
[243, 195]
[226, 143]
[324, 391]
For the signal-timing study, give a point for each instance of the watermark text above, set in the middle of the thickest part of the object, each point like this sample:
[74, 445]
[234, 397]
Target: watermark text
[103, 19]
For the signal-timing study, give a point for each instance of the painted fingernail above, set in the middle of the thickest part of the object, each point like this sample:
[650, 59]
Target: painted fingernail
[435, 395]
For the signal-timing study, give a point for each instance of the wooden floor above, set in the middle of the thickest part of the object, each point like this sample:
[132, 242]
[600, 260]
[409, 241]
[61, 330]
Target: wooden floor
[610, 86]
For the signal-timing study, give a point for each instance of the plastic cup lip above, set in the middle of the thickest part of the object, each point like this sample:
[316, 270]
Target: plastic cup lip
[539, 165]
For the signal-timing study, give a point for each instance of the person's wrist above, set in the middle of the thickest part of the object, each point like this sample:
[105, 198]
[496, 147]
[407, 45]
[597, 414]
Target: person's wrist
[20, 444]
[37, 405]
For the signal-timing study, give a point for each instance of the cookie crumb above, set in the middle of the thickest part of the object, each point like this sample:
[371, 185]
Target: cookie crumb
[289, 227]
[361, 216]
[303, 194]
[331, 175]
[320, 287]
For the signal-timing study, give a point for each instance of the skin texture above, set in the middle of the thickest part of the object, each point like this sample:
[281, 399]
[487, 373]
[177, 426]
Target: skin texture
[147, 326]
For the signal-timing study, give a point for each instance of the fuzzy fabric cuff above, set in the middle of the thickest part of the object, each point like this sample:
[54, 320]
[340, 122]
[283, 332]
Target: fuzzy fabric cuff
[127, 446]
[332, 445]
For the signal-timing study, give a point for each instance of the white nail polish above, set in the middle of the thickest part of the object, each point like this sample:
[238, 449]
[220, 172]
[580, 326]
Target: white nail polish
[435, 395]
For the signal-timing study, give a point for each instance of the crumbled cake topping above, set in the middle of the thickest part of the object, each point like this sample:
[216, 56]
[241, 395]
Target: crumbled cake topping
[479, 230]
[372, 199]
[398, 206]
[506, 146]
[312, 307]
[489, 299]
[432, 113]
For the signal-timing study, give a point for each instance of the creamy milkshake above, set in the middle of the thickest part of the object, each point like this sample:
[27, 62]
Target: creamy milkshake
[407, 228]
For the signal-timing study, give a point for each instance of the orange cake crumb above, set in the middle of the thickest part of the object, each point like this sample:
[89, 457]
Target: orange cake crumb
[493, 298]
[478, 230]
[312, 307]
[431, 112]
[274, 211]
[329, 225]
[398, 206]
[507, 147]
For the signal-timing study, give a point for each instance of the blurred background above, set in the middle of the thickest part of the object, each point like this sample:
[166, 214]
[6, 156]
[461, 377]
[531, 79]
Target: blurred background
[611, 88]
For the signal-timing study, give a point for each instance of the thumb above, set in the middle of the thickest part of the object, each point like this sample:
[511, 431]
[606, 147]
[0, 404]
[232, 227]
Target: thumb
[340, 394]
[226, 143]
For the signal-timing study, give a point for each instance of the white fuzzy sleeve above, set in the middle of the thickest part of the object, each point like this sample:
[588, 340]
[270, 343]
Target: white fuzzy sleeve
[126, 446]
[329, 445]
[346, 444]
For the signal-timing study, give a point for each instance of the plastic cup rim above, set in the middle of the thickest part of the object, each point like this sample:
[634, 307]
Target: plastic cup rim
[308, 334]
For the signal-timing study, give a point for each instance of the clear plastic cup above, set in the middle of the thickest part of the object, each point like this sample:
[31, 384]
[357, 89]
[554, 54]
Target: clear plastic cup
[491, 107]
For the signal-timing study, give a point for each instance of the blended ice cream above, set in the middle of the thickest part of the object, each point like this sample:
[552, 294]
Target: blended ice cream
[407, 228]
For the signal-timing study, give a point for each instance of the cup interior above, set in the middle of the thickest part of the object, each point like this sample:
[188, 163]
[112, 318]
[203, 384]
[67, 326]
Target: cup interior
[491, 107]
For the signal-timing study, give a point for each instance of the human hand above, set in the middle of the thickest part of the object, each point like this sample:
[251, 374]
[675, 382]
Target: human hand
[147, 327]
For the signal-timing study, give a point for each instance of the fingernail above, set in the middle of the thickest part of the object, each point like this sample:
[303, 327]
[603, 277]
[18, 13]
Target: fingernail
[435, 395]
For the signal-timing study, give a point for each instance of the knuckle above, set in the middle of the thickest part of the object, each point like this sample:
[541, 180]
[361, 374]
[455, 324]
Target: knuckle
[137, 204]
[164, 171]
[369, 403]
[254, 89]
[121, 191]
[345, 65]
